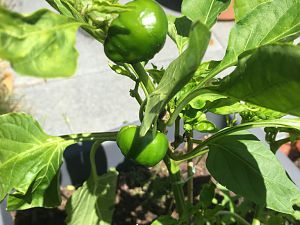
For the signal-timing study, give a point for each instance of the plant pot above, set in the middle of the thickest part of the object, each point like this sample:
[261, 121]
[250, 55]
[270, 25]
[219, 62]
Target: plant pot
[227, 15]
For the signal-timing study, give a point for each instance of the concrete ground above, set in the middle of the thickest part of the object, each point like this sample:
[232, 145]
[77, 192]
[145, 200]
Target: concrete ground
[94, 99]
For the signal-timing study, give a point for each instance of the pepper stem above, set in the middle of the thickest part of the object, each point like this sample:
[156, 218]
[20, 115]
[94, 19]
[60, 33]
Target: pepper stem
[143, 77]
[175, 177]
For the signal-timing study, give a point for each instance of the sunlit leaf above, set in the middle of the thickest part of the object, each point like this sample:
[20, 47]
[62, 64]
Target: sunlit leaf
[93, 203]
[244, 165]
[41, 44]
[29, 163]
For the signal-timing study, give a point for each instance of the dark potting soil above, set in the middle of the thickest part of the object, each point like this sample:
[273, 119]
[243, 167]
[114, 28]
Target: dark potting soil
[143, 194]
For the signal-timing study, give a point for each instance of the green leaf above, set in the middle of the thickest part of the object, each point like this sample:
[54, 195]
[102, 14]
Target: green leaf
[41, 44]
[243, 7]
[156, 74]
[269, 78]
[119, 69]
[178, 31]
[268, 23]
[178, 74]
[207, 195]
[99, 11]
[42, 196]
[226, 106]
[69, 9]
[205, 126]
[204, 70]
[207, 11]
[62, 8]
[201, 72]
[200, 101]
[196, 120]
[255, 113]
[93, 203]
[29, 163]
[246, 166]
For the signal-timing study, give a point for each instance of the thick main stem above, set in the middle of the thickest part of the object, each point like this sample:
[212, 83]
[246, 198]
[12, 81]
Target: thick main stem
[143, 77]
[175, 177]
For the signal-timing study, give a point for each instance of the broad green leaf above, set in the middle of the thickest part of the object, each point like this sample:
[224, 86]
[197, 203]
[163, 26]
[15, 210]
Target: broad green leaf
[243, 164]
[178, 31]
[207, 11]
[178, 74]
[46, 194]
[244, 7]
[93, 203]
[29, 163]
[269, 78]
[41, 44]
[268, 23]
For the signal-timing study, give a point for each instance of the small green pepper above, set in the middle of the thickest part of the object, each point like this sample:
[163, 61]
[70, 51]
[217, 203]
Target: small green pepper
[138, 34]
[147, 150]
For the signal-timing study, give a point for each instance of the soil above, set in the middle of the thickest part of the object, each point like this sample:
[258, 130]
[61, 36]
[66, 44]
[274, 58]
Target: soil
[143, 194]
[292, 150]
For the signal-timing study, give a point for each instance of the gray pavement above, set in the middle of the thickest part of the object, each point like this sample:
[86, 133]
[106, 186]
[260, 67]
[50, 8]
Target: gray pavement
[94, 99]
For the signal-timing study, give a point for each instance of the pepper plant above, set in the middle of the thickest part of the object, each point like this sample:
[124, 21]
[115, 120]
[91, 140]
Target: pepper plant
[261, 89]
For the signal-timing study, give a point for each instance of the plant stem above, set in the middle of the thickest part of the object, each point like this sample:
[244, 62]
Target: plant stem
[177, 138]
[143, 77]
[94, 149]
[179, 158]
[255, 221]
[141, 111]
[190, 170]
[257, 213]
[104, 136]
[175, 177]
[135, 93]
[236, 216]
